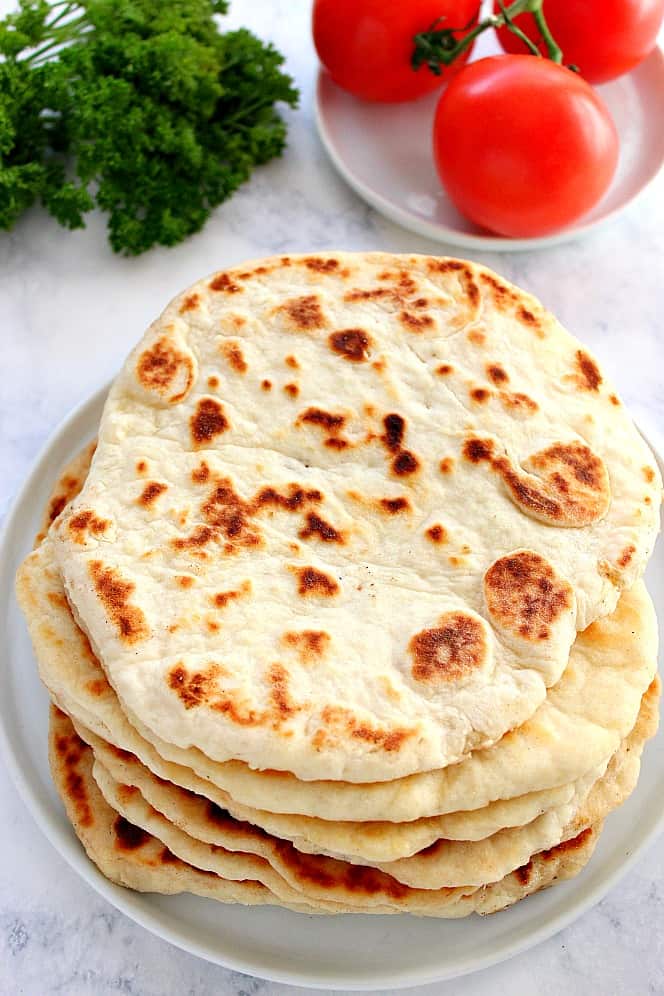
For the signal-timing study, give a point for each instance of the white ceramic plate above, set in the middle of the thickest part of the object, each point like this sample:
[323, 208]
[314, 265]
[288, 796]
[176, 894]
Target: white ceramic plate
[384, 152]
[346, 952]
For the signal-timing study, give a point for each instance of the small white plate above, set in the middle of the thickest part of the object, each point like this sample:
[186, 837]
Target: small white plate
[384, 152]
[345, 952]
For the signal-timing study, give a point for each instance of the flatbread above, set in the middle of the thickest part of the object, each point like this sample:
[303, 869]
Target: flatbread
[432, 441]
[124, 853]
[446, 864]
[577, 728]
[130, 856]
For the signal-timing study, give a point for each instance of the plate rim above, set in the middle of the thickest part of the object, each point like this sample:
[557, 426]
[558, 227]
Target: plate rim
[157, 921]
[450, 236]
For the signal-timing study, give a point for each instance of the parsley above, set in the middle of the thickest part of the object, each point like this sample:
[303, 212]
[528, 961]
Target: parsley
[141, 107]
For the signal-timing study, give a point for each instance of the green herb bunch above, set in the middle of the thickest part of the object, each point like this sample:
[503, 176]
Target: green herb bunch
[141, 107]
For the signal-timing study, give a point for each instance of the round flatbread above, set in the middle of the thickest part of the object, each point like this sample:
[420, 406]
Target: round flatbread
[347, 513]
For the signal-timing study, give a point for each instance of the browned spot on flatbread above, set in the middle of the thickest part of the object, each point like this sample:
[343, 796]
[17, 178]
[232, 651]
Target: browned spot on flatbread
[190, 303]
[453, 649]
[281, 700]
[589, 375]
[234, 356]
[295, 498]
[259, 271]
[465, 275]
[527, 317]
[565, 484]
[201, 536]
[649, 474]
[445, 369]
[614, 400]
[436, 534]
[477, 337]
[97, 687]
[503, 295]
[129, 837]
[360, 294]
[480, 395]
[213, 381]
[351, 344]
[497, 374]
[415, 323]
[316, 526]
[150, 493]
[200, 474]
[222, 282]
[341, 722]
[165, 370]
[208, 421]
[476, 450]
[336, 443]
[405, 464]
[388, 740]
[524, 873]
[310, 644]
[395, 427]
[115, 595]
[201, 688]
[573, 476]
[228, 515]
[57, 599]
[292, 390]
[330, 874]
[525, 595]
[291, 361]
[122, 755]
[70, 748]
[68, 487]
[86, 522]
[573, 844]
[141, 467]
[226, 511]
[222, 598]
[329, 421]
[266, 385]
[394, 506]
[446, 465]
[304, 314]
[193, 688]
[626, 556]
[518, 403]
[320, 265]
[311, 581]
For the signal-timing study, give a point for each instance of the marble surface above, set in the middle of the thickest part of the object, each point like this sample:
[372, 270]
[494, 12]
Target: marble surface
[70, 312]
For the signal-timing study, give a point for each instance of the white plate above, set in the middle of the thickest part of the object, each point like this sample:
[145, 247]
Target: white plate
[347, 952]
[384, 152]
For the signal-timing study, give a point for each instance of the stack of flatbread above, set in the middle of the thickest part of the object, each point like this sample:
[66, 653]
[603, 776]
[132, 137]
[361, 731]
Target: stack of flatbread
[344, 613]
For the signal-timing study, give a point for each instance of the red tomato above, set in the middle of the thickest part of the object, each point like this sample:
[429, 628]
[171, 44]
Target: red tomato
[523, 146]
[366, 45]
[604, 38]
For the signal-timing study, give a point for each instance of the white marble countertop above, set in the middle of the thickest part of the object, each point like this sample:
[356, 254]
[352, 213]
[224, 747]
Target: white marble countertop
[70, 312]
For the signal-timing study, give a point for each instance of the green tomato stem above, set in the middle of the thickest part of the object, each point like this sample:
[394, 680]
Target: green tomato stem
[439, 46]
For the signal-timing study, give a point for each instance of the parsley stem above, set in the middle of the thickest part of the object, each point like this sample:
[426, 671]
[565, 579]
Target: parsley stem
[65, 33]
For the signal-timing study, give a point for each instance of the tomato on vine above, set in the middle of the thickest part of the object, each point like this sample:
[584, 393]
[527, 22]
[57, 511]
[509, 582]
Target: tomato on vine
[366, 45]
[603, 38]
[523, 146]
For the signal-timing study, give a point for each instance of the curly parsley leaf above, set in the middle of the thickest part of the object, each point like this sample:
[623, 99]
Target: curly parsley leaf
[143, 108]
